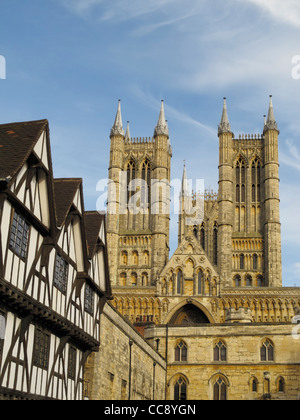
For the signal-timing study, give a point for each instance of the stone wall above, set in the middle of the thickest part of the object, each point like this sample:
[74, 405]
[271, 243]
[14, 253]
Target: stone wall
[107, 372]
[243, 360]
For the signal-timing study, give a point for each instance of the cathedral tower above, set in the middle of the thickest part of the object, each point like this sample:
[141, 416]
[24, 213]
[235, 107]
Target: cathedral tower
[138, 204]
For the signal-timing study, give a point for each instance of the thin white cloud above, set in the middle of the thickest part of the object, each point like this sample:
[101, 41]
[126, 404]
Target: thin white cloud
[149, 100]
[291, 156]
[284, 10]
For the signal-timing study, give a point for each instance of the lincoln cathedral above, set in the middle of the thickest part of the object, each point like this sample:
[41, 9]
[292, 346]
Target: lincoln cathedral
[94, 307]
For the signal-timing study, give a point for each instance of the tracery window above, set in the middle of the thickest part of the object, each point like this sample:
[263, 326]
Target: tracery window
[220, 352]
[181, 352]
[267, 351]
[180, 390]
[220, 390]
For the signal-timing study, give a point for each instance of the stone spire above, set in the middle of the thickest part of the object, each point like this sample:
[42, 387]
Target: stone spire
[161, 128]
[224, 126]
[117, 129]
[127, 135]
[184, 184]
[271, 122]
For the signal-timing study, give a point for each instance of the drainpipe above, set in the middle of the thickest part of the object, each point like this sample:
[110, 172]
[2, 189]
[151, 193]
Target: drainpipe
[130, 362]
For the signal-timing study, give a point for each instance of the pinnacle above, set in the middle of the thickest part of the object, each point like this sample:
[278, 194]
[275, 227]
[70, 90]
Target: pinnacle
[117, 129]
[162, 125]
[224, 126]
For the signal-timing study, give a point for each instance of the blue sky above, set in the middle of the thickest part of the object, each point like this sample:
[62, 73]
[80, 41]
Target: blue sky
[71, 60]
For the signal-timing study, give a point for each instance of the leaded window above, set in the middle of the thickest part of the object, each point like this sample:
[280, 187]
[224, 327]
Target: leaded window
[89, 299]
[19, 235]
[41, 348]
[72, 363]
[61, 273]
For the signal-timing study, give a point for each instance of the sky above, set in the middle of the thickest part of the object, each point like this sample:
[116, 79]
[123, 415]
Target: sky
[71, 60]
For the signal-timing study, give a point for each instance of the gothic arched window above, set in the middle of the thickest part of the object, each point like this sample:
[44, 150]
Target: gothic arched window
[220, 390]
[220, 352]
[179, 282]
[200, 283]
[248, 281]
[255, 180]
[202, 237]
[180, 390]
[242, 261]
[181, 352]
[215, 245]
[237, 281]
[255, 261]
[146, 185]
[254, 385]
[240, 181]
[267, 351]
[280, 385]
[130, 177]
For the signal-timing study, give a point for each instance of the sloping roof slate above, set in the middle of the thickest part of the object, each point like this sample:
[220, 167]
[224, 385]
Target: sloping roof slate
[93, 222]
[64, 193]
[16, 143]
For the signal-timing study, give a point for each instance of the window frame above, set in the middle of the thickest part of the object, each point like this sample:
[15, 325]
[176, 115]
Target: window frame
[41, 348]
[61, 273]
[89, 299]
[220, 352]
[19, 235]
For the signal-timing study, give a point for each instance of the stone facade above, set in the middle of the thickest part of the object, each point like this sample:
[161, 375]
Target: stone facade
[126, 366]
[225, 272]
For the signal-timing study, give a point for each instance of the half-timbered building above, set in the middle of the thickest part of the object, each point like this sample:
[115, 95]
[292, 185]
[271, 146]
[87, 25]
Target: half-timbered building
[54, 278]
